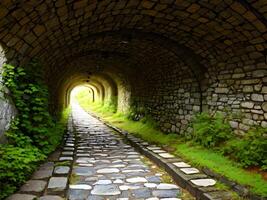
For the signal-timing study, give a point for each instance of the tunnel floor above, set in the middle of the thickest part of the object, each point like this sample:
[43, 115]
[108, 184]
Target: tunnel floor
[95, 163]
[106, 167]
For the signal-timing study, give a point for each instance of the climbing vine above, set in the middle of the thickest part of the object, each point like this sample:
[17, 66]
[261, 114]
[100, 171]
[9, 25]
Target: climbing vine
[30, 96]
[34, 132]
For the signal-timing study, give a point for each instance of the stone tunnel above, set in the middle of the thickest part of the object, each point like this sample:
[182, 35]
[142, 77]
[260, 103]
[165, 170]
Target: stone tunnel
[172, 57]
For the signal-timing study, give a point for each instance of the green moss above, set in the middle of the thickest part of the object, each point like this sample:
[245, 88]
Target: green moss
[62, 163]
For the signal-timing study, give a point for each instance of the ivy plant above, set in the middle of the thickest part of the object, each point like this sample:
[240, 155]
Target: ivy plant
[34, 132]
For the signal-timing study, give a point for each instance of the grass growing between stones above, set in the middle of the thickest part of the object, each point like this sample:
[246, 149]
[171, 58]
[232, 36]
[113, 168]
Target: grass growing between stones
[193, 153]
[63, 163]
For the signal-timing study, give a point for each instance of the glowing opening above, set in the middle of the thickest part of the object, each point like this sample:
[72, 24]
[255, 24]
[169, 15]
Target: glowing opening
[82, 90]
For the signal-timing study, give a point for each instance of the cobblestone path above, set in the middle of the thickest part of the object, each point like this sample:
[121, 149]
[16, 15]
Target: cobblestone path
[96, 164]
[105, 167]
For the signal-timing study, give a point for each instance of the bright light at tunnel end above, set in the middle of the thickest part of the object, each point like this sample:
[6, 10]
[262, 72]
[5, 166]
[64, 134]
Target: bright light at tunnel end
[76, 91]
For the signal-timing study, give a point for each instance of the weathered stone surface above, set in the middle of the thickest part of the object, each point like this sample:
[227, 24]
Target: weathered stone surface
[61, 170]
[50, 197]
[259, 73]
[221, 90]
[106, 182]
[257, 97]
[165, 193]
[57, 183]
[21, 197]
[84, 171]
[190, 170]
[181, 164]
[64, 158]
[166, 155]
[75, 194]
[165, 186]
[204, 182]
[136, 180]
[106, 190]
[7, 109]
[108, 170]
[42, 174]
[141, 193]
[33, 186]
[264, 106]
[247, 104]
[233, 124]
[80, 187]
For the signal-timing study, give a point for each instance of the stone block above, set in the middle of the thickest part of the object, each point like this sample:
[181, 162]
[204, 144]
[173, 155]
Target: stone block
[221, 90]
[35, 186]
[257, 97]
[259, 73]
[21, 197]
[247, 104]
[57, 184]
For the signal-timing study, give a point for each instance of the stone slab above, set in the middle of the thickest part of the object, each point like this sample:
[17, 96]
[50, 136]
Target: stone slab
[21, 197]
[106, 190]
[166, 155]
[204, 182]
[57, 183]
[33, 186]
[190, 170]
[50, 197]
[181, 164]
[61, 170]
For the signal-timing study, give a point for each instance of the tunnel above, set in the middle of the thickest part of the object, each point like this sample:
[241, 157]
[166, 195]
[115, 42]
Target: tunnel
[172, 57]
[161, 65]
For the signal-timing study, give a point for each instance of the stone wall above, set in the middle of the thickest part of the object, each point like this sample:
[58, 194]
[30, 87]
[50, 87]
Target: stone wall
[242, 92]
[171, 95]
[7, 110]
[155, 41]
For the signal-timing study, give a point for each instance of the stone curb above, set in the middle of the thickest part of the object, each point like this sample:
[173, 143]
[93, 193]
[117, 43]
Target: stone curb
[201, 193]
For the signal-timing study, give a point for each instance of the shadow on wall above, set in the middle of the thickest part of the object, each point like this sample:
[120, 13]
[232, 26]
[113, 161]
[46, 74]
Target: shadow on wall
[7, 109]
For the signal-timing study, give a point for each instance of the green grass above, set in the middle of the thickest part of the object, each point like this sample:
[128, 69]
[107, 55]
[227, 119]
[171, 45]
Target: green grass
[194, 154]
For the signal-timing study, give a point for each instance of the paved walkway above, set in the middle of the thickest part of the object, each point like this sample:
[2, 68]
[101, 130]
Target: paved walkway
[107, 168]
[95, 164]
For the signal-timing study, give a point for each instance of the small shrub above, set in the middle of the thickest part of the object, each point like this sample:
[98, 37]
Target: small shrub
[251, 150]
[33, 133]
[210, 131]
[16, 165]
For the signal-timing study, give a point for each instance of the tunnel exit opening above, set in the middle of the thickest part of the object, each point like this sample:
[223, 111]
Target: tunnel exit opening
[82, 91]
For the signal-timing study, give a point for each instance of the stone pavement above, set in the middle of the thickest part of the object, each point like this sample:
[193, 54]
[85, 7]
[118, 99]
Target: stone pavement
[95, 164]
[105, 167]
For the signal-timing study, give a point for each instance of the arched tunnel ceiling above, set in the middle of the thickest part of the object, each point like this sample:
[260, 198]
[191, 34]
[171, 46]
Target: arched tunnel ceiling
[163, 54]
[41, 28]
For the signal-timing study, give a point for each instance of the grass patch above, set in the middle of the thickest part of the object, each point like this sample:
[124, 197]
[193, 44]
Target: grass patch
[191, 152]
[73, 178]
[63, 163]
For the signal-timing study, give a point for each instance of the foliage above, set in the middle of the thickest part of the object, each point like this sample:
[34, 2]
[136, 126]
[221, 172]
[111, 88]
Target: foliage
[84, 99]
[33, 133]
[16, 164]
[210, 131]
[30, 95]
[251, 150]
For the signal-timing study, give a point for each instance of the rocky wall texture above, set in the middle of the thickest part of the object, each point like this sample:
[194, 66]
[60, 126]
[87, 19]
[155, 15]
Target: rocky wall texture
[176, 56]
[241, 92]
[7, 110]
[171, 95]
